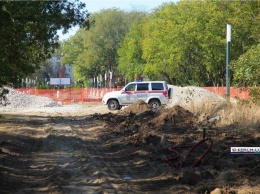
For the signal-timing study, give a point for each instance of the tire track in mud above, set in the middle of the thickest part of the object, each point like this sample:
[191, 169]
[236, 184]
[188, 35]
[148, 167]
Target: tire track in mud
[114, 167]
[67, 158]
[38, 158]
[20, 172]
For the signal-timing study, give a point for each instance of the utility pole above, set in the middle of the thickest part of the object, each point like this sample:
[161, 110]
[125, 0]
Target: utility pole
[228, 60]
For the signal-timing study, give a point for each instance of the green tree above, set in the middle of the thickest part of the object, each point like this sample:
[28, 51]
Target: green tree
[184, 43]
[28, 33]
[247, 68]
[103, 38]
[101, 42]
[72, 50]
[130, 61]
[72, 47]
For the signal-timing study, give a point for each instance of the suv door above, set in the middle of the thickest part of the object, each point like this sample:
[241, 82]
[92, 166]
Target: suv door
[128, 96]
[160, 90]
[142, 91]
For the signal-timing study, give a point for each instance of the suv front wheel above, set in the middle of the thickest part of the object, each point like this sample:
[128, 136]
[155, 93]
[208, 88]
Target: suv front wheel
[113, 105]
[154, 104]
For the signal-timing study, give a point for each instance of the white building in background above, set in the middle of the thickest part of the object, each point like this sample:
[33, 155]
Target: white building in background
[56, 64]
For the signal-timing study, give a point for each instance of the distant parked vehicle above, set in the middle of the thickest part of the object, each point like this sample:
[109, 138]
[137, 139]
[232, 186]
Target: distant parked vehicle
[155, 93]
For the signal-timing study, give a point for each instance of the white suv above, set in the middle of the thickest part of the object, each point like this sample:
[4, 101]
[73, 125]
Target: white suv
[154, 93]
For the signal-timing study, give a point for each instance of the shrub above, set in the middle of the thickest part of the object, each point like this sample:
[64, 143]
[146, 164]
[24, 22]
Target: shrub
[254, 93]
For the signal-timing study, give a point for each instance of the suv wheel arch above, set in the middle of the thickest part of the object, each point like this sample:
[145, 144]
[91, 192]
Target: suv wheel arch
[154, 103]
[113, 104]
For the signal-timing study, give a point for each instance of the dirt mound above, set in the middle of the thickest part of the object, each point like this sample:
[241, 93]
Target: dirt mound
[138, 107]
[141, 124]
[193, 99]
[175, 117]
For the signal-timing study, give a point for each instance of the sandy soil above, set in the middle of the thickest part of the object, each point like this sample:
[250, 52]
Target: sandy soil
[93, 150]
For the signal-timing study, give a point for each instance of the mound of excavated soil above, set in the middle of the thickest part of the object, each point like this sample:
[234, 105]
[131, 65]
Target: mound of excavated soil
[141, 124]
[175, 117]
[138, 107]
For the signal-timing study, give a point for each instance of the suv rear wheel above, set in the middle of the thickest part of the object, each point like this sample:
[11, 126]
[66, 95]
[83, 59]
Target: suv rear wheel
[154, 104]
[113, 105]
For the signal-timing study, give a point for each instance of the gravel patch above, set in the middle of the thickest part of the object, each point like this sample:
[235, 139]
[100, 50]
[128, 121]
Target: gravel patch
[24, 103]
[21, 101]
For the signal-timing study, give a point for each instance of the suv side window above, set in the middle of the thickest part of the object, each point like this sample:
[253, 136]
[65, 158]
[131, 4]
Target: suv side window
[157, 86]
[142, 87]
[130, 87]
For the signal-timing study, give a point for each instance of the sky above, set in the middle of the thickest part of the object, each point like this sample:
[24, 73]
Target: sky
[126, 5]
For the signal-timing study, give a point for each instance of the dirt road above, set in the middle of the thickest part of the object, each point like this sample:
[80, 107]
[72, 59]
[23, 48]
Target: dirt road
[110, 153]
[69, 154]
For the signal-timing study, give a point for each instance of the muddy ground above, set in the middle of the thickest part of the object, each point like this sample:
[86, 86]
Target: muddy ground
[135, 150]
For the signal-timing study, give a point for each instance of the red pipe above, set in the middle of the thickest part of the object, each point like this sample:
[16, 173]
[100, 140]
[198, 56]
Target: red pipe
[170, 160]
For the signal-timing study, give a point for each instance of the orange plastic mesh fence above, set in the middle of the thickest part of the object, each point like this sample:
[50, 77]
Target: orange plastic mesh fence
[71, 95]
[242, 94]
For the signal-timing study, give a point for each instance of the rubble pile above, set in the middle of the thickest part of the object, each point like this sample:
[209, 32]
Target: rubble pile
[195, 99]
[19, 100]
